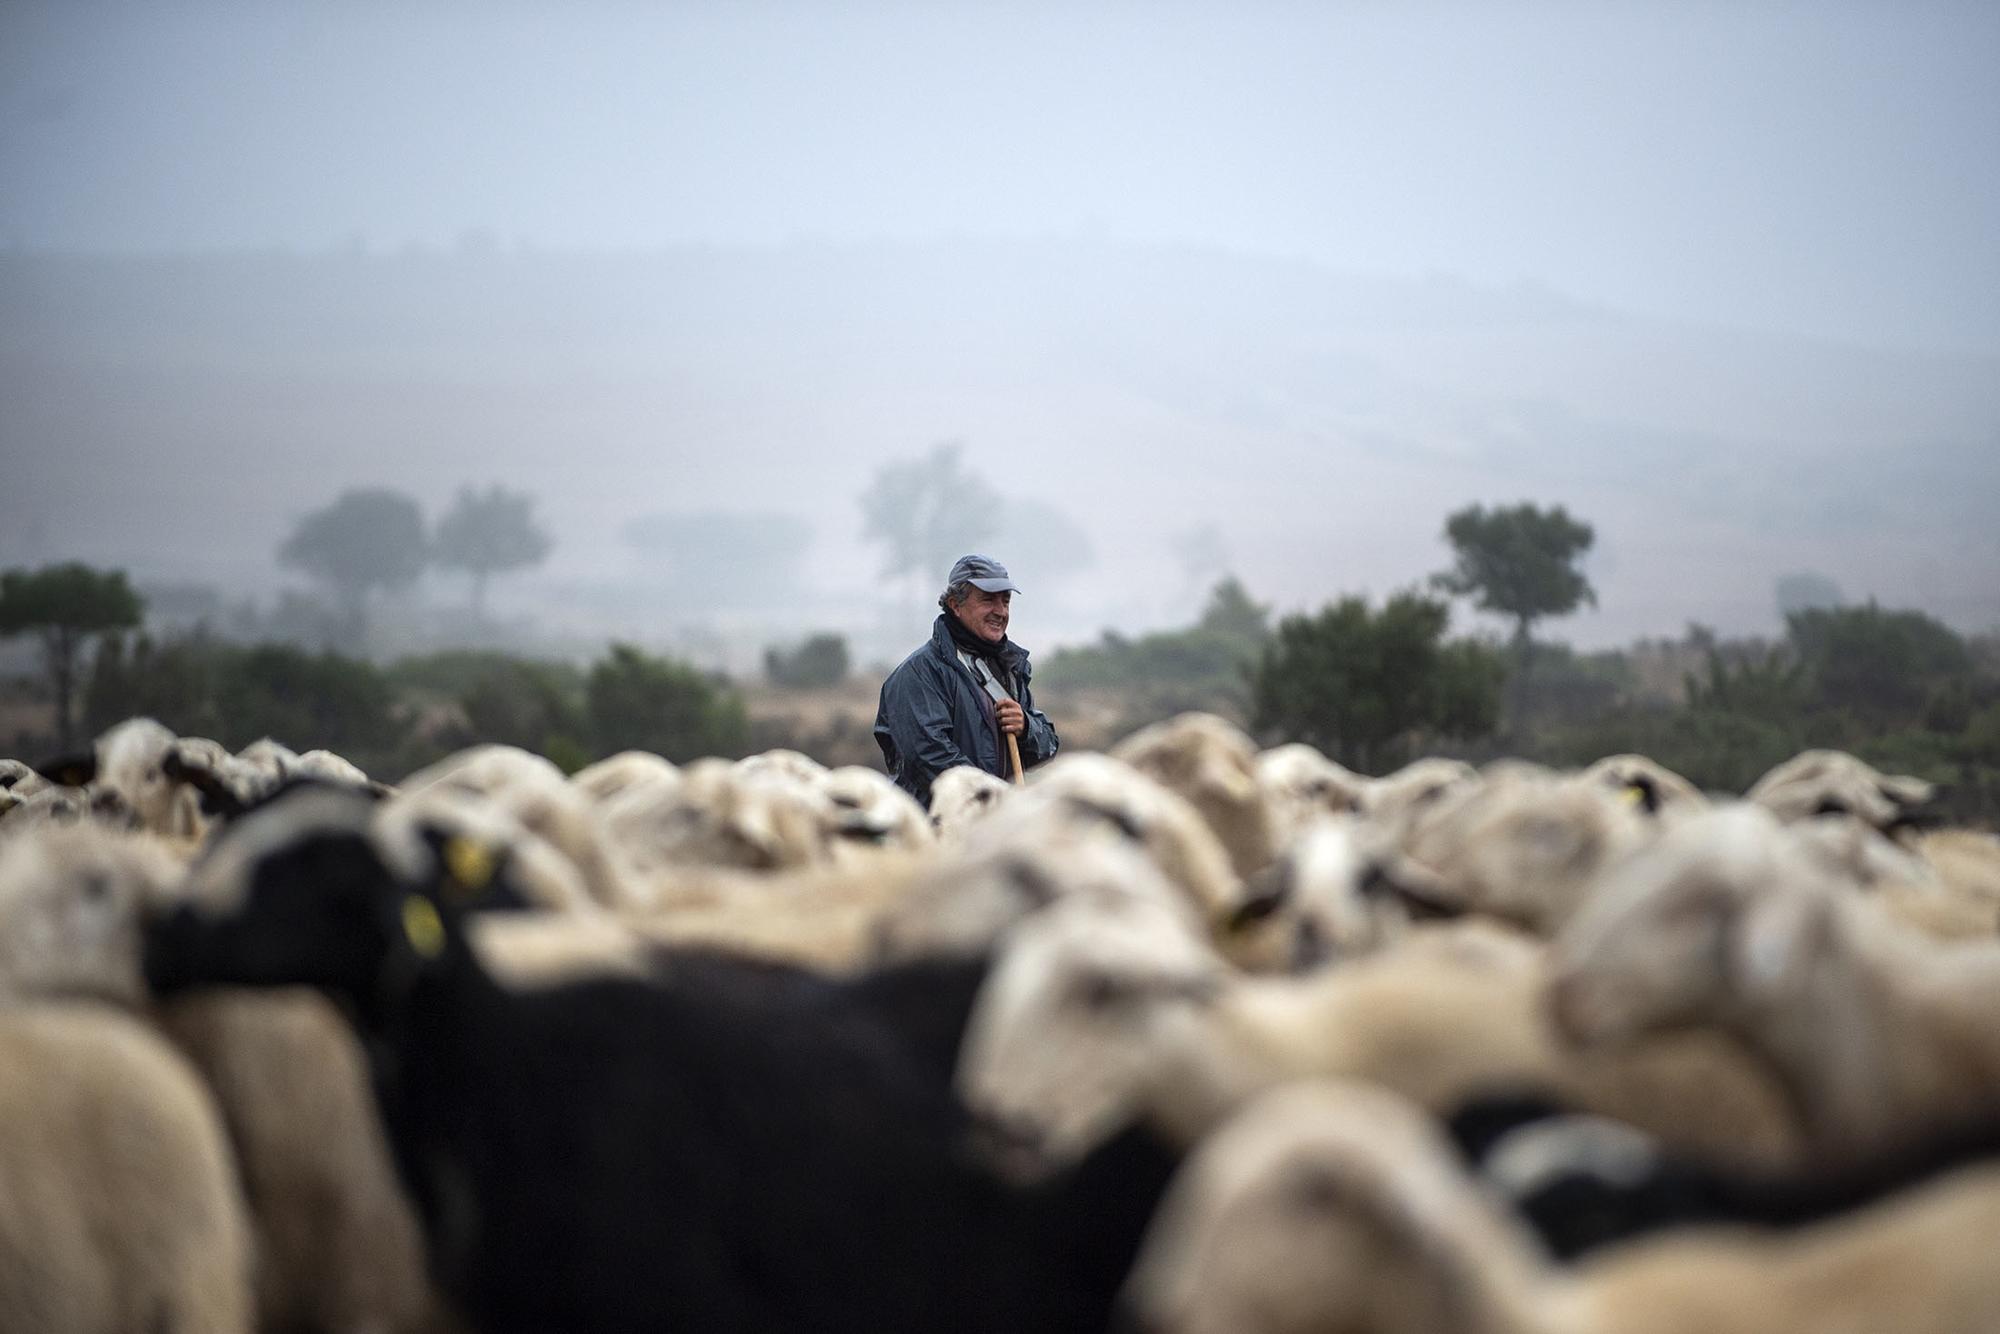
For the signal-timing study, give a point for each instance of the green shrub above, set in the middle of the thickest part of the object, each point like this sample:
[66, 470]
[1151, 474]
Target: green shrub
[1365, 687]
[638, 701]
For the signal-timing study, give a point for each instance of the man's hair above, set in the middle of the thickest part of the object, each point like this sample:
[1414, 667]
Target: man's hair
[953, 593]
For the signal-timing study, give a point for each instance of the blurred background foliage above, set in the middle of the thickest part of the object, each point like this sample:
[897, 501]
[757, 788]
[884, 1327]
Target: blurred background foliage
[1371, 685]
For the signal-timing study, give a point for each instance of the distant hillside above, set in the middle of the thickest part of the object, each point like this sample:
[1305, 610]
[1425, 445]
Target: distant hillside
[176, 414]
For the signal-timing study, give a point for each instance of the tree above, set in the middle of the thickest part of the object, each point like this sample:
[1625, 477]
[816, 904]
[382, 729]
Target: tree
[368, 538]
[1361, 685]
[487, 533]
[1518, 561]
[928, 512]
[308, 700]
[526, 704]
[64, 605]
[639, 702]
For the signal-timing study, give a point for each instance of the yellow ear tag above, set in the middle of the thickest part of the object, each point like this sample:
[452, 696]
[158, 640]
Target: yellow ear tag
[469, 862]
[423, 927]
[1633, 794]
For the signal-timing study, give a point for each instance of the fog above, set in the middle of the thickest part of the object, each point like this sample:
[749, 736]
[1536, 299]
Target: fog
[1265, 289]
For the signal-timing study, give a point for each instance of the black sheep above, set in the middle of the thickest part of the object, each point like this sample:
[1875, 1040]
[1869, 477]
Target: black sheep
[720, 1148]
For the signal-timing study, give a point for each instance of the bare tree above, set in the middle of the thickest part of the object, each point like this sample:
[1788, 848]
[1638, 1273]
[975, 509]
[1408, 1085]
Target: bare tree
[927, 512]
[487, 533]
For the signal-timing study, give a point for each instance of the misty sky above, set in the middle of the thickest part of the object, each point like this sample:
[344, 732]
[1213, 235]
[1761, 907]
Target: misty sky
[1824, 167]
[1724, 278]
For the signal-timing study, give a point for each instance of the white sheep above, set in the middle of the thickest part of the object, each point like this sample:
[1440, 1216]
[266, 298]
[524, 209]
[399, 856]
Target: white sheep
[826, 916]
[19, 778]
[119, 1206]
[131, 762]
[1341, 1207]
[71, 897]
[1300, 785]
[535, 793]
[1965, 861]
[1832, 782]
[866, 809]
[1393, 799]
[1086, 1025]
[964, 900]
[608, 778]
[1524, 845]
[783, 764]
[420, 822]
[716, 817]
[56, 804]
[490, 769]
[1213, 765]
[1656, 789]
[327, 767]
[261, 767]
[962, 794]
[1082, 1029]
[1344, 889]
[222, 783]
[1733, 921]
[535, 948]
[1102, 791]
[1906, 880]
[338, 1245]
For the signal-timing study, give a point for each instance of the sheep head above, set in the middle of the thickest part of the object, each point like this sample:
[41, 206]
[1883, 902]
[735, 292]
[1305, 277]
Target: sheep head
[1723, 916]
[1063, 1040]
[1325, 1205]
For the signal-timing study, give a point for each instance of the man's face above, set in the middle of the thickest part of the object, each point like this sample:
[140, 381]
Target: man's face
[985, 614]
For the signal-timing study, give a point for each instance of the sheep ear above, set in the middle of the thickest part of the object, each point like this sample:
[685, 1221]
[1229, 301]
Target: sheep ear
[759, 830]
[1643, 792]
[1774, 940]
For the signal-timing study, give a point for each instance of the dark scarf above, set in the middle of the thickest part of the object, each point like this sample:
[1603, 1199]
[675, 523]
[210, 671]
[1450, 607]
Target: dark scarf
[994, 655]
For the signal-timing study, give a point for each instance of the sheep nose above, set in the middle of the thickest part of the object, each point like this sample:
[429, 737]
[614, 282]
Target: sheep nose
[1014, 1148]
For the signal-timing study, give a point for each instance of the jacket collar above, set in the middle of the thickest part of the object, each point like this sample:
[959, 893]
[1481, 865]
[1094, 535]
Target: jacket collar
[1013, 655]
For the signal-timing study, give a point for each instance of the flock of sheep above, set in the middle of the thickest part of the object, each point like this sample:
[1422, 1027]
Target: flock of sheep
[1186, 1037]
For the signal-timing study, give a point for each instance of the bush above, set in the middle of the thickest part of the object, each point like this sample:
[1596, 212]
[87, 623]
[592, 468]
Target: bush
[638, 701]
[177, 681]
[1881, 666]
[1205, 666]
[526, 702]
[306, 700]
[236, 694]
[1365, 686]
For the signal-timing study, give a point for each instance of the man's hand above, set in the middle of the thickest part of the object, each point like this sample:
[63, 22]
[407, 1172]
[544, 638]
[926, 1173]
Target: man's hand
[1012, 719]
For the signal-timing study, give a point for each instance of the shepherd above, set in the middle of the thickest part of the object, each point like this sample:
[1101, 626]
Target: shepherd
[963, 698]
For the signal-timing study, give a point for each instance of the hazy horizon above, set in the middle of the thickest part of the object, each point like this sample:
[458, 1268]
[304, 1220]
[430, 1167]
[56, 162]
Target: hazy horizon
[1723, 279]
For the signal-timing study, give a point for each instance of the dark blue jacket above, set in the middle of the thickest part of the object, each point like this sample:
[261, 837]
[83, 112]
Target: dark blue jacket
[930, 717]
